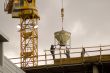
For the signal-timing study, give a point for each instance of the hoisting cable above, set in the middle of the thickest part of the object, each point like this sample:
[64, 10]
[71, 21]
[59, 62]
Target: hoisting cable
[62, 14]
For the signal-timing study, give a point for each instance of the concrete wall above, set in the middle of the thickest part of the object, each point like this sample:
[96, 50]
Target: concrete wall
[9, 67]
[1, 69]
[1, 58]
[1, 54]
[6, 66]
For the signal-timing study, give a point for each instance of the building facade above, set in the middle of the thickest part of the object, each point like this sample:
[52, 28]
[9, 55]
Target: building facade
[6, 66]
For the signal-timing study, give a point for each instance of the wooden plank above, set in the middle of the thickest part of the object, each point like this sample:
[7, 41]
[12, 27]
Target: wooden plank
[76, 60]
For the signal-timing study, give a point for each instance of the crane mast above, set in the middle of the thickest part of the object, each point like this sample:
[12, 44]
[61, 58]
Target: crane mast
[26, 11]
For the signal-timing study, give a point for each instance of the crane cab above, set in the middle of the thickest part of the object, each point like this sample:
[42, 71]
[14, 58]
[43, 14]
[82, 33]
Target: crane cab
[24, 8]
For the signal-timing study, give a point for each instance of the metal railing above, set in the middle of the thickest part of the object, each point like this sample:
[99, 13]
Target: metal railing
[47, 59]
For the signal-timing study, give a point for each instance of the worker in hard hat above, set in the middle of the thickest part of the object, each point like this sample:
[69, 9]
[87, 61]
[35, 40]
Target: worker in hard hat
[67, 52]
[82, 54]
[52, 50]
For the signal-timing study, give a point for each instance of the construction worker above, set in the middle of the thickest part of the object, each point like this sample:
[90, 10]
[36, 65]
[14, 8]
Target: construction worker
[82, 54]
[52, 51]
[67, 53]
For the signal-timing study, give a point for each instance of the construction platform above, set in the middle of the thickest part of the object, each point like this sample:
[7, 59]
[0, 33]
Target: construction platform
[74, 65]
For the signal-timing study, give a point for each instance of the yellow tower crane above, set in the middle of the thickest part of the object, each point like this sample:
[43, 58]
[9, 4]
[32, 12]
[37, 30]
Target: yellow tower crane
[27, 12]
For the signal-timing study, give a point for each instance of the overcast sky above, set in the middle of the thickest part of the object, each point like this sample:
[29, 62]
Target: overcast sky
[87, 20]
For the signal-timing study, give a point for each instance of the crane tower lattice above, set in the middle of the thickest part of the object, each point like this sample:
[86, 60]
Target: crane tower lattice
[26, 11]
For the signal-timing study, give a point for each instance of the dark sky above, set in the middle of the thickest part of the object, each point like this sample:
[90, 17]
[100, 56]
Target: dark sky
[87, 20]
